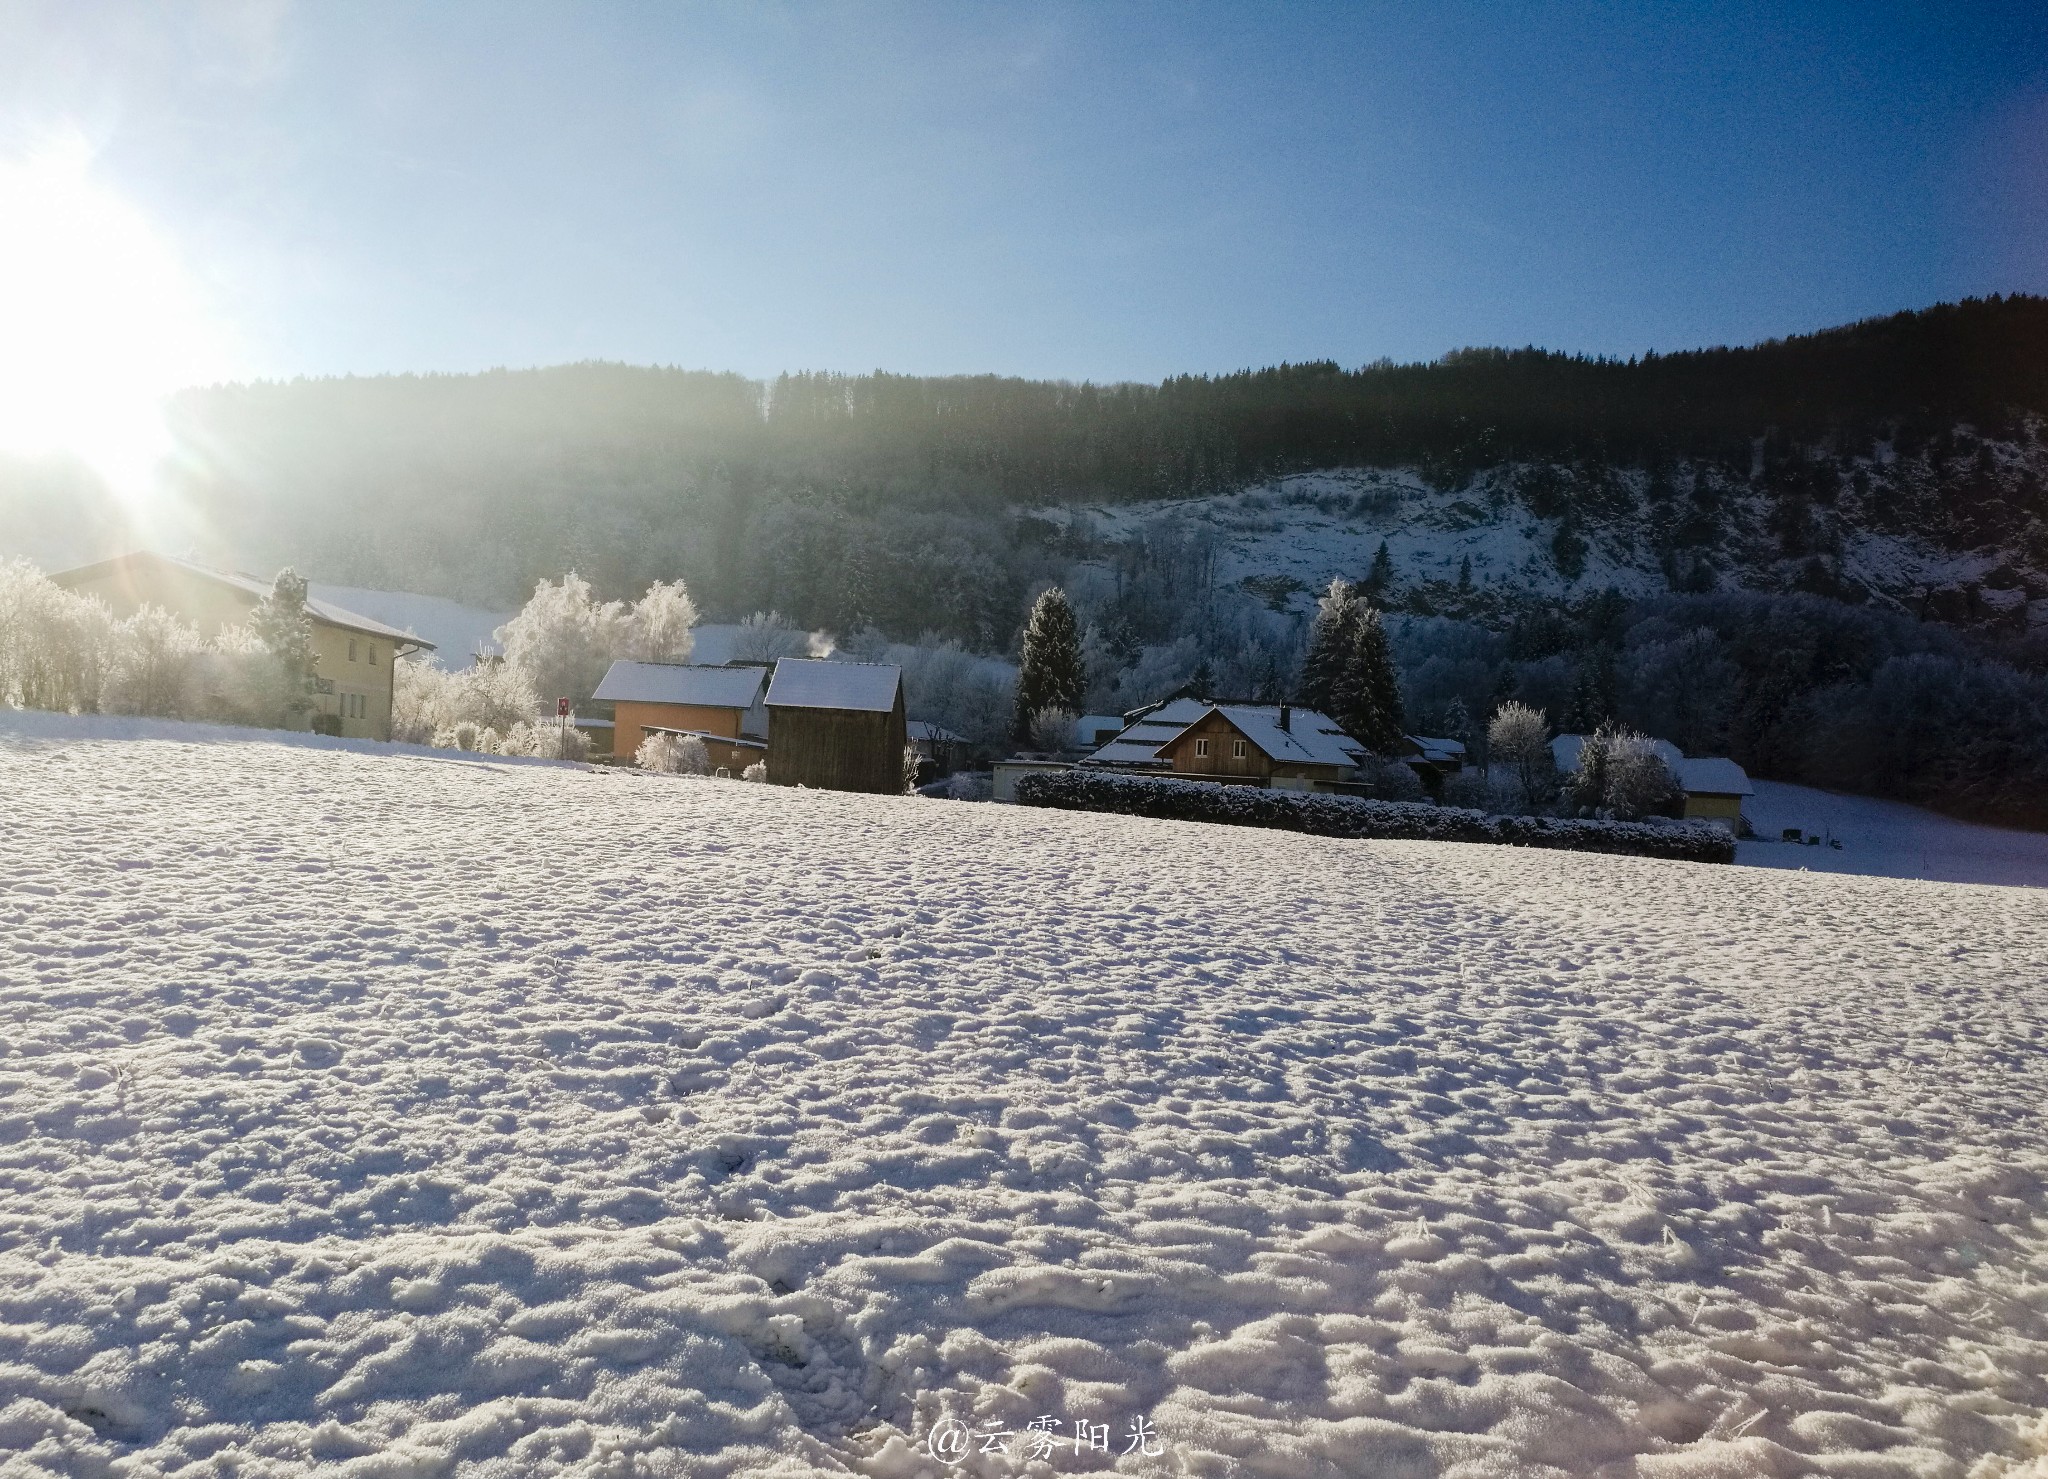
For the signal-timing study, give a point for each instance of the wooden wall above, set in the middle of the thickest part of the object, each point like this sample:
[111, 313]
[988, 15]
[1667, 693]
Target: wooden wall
[837, 749]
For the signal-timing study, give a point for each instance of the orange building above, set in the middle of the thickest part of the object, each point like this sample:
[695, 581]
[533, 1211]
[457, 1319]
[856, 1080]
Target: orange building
[723, 707]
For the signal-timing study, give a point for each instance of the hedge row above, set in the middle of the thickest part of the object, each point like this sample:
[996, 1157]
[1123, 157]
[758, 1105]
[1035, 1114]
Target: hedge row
[1351, 816]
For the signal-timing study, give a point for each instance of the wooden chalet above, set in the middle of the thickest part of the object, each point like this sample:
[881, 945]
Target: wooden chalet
[837, 726]
[1277, 745]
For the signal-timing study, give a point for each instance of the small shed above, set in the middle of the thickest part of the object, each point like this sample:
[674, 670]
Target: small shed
[837, 726]
[1714, 790]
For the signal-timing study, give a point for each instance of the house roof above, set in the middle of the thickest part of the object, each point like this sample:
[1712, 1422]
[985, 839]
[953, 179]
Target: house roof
[1437, 749]
[1139, 743]
[249, 585]
[1713, 776]
[924, 729]
[1311, 738]
[819, 683]
[682, 683]
[1564, 751]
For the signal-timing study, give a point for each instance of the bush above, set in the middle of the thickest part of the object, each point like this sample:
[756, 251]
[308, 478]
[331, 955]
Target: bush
[1345, 816]
[673, 754]
[757, 772]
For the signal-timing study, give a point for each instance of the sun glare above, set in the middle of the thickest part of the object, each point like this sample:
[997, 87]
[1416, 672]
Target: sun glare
[98, 321]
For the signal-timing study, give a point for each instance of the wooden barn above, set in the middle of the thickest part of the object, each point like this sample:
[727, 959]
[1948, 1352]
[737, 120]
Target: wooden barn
[837, 726]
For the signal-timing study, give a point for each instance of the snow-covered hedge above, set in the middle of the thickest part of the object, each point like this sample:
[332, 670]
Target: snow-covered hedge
[1348, 816]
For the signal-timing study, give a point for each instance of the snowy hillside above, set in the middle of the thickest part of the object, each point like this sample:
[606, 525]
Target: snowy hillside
[1288, 537]
[1888, 839]
[382, 1114]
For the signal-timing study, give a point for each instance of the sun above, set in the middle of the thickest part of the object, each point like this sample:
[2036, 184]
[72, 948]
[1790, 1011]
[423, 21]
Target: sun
[99, 321]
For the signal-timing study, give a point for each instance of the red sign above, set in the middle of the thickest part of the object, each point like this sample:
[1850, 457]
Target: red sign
[562, 708]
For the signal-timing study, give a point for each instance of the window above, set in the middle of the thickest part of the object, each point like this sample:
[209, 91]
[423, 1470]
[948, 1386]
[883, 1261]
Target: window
[351, 649]
[373, 654]
[1237, 749]
[1201, 747]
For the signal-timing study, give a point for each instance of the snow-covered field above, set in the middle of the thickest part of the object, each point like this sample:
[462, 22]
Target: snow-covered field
[1885, 838]
[392, 1114]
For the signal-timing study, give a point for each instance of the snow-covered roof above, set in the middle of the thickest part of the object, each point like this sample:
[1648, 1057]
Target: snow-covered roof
[1440, 750]
[924, 729]
[1096, 723]
[682, 683]
[819, 683]
[319, 610]
[1311, 738]
[1713, 776]
[1139, 743]
[1564, 751]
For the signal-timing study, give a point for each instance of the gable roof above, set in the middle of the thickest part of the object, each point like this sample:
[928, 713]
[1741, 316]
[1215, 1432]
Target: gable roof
[248, 585]
[1713, 776]
[682, 683]
[1311, 738]
[1139, 743]
[820, 683]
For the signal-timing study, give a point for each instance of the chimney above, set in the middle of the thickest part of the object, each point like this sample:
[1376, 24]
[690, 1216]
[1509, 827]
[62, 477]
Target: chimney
[1286, 718]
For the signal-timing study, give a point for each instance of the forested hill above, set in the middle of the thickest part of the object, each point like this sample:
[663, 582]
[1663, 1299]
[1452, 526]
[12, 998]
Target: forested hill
[904, 502]
[1914, 375]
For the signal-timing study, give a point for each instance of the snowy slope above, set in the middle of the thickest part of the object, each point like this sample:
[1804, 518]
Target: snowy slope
[1885, 838]
[380, 1114]
[1310, 527]
[458, 632]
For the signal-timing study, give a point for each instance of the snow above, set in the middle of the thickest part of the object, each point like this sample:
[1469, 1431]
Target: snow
[1713, 775]
[821, 683]
[361, 1114]
[1887, 839]
[458, 632]
[676, 683]
[1310, 738]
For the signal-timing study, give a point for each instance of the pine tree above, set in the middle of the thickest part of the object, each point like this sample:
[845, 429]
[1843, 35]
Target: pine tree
[1381, 575]
[1329, 641]
[1375, 717]
[281, 624]
[1049, 673]
[1465, 574]
[1457, 720]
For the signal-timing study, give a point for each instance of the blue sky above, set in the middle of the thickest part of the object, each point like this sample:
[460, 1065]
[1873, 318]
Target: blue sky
[1096, 191]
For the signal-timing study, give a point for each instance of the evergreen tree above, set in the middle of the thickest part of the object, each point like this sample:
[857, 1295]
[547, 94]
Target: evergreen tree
[285, 630]
[1465, 574]
[1457, 720]
[1381, 575]
[1329, 641]
[1372, 692]
[1049, 673]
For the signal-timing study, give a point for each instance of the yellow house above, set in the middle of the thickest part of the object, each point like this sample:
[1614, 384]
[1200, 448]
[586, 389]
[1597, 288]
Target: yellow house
[353, 654]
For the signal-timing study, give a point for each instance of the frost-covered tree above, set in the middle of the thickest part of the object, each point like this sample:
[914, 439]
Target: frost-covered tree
[658, 629]
[1052, 729]
[767, 635]
[1639, 783]
[1518, 737]
[1330, 644]
[284, 628]
[673, 754]
[54, 644]
[155, 667]
[563, 639]
[1049, 674]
